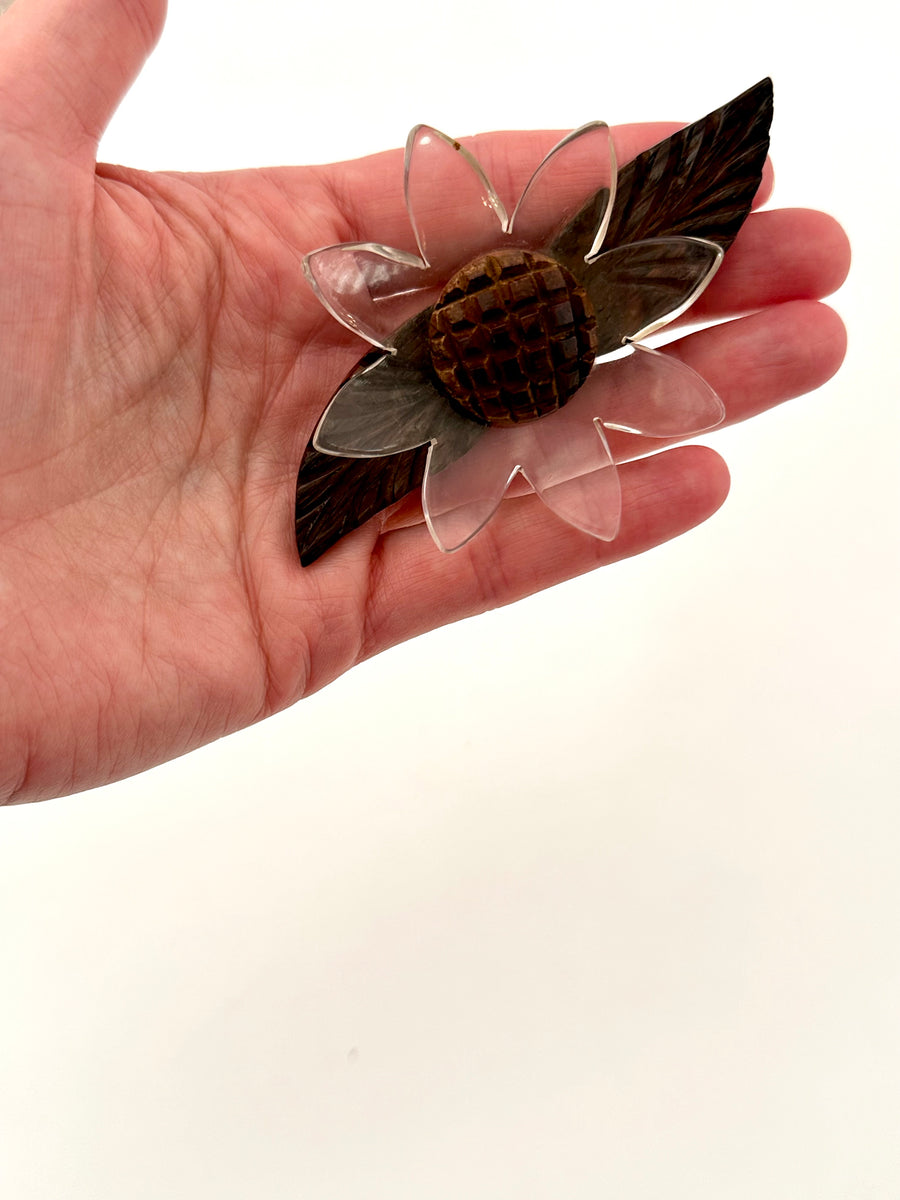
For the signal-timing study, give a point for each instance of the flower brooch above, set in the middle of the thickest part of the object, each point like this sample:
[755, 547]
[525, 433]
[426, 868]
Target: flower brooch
[511, 343]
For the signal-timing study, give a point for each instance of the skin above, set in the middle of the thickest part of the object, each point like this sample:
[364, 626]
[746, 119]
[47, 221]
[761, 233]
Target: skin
[163, 366]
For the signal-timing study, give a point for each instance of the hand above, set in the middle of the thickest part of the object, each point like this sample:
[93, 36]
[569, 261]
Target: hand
[163, 365]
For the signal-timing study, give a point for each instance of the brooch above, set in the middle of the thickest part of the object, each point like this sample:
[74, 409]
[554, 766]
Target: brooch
[512, 341]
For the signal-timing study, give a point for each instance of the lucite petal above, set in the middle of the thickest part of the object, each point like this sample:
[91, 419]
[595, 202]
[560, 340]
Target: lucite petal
[375, 413]
[392, 405]
[570, 467]
[653, 394]
[452, 205]
[564, 457]
[638, 288]
[457, 436]
[372, 289]
[582, 164]
[460, 497]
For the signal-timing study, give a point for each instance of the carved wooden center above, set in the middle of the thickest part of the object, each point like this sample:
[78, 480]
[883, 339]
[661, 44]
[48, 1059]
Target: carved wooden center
[512, 337]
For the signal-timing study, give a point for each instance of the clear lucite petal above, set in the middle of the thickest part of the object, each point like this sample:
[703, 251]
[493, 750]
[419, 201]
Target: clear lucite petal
[582, 164]
[571, 468]
[371, 289]
[638, 288]
[460, 497]
[452, 205]
[381, 412]
[565, 459]
[393, 405]
[652, 394]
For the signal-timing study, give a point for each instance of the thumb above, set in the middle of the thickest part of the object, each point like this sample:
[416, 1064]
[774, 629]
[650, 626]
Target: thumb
[66, 64]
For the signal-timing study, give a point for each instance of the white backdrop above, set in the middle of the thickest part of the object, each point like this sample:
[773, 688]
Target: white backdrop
[370, 948]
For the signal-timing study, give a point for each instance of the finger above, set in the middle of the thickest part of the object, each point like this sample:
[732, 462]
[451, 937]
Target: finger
[66, 64]
[786, 254]
[369, 191]
[525, 548]
[768, 357]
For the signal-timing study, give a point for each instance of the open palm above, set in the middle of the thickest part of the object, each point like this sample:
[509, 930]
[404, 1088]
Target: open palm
[163, 365]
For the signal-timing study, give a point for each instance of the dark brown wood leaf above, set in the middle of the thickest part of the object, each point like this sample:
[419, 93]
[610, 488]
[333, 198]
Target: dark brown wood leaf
[700, 183]
[337, 495]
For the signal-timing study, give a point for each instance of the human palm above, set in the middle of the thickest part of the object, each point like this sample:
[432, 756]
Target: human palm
[163, 365]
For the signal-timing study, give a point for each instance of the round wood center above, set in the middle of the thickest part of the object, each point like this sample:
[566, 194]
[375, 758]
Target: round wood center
[512, 337]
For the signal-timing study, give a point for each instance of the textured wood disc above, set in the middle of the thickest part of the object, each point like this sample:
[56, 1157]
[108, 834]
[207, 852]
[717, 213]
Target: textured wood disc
[512, 337]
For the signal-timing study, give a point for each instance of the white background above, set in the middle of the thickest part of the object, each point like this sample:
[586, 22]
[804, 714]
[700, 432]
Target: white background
[598, 896]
